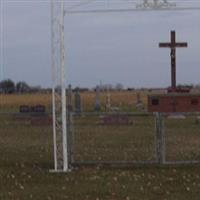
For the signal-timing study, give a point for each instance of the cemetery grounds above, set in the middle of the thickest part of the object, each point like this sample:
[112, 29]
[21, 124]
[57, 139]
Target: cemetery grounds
[26, 156]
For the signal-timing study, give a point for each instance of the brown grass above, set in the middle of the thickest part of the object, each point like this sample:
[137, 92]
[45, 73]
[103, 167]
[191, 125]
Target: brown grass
[123, 99]
[26, 157]
[13, 101]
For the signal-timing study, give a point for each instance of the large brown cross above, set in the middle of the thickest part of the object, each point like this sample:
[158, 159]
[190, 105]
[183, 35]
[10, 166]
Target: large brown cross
[173, 45]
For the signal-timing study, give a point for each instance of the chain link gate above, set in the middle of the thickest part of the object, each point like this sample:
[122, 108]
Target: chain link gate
[115, 139]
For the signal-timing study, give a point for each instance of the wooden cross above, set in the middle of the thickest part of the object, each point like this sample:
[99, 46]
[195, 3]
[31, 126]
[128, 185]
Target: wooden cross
[173, 45]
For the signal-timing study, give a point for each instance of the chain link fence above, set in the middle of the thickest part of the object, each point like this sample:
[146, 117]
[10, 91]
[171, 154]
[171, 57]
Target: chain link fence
[182, 139]
[127, 138]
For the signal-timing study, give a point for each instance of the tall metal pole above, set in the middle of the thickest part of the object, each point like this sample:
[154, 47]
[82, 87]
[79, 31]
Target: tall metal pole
[1, 41]
[53, 84]
[63, 94]
[58, 87]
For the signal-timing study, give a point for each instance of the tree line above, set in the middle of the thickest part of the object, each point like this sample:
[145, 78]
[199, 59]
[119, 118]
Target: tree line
[9, 87]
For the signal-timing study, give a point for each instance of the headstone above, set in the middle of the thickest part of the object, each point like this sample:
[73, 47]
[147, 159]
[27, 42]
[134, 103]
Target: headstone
[108, 103]
[77, 101]
[114, 109]
[24, 109]
[97, 106]
[32, 109]
[139, 104]
[138, 98]
[39, 109]
[69, 99]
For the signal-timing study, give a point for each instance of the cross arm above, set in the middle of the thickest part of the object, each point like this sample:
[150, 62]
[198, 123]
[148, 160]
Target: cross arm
[169, 45]
[181, 44]
[162, 45]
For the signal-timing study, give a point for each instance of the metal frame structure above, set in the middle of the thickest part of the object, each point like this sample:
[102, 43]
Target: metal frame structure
[60, 130]
[58, 87]
[156, 4]
[146, 5]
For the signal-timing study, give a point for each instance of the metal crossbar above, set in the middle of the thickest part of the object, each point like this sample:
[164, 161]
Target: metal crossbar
[129, 10]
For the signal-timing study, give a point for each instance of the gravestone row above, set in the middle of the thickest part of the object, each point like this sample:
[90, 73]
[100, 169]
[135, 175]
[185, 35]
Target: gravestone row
[98, 107]
[32, 109]
[78, 103]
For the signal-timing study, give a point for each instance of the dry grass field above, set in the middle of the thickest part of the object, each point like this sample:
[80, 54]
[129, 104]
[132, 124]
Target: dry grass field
[26, 157]
[123, 99]
[11, 102]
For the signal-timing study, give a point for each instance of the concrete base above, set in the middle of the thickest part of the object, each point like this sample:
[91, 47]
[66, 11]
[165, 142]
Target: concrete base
[59, 171]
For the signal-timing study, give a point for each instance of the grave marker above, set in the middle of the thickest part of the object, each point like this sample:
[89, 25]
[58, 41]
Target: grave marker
[139, 103]
[97, 100]
[77, 99]
[32, 109]
[108, 103]
[69, 99]
[24, 109]
[173, 45]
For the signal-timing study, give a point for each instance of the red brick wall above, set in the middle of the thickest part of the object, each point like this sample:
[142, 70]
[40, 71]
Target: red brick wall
[173, 103]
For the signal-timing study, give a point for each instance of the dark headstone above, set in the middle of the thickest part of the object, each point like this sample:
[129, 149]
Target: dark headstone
[77, 101]
[69, 99]
[138, 98]
[39, 109]
[139, 104]
[32, 109]
[24, 109]
[108, 102]
[97, 100]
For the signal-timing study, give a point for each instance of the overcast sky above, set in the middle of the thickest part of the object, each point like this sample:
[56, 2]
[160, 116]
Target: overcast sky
[108, 47]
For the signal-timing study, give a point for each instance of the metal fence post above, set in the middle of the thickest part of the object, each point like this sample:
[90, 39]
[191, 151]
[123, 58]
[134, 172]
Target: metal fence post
[160, 139]
[70, 137]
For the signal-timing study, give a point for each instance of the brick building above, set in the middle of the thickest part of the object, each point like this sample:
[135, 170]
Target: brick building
[174, 102]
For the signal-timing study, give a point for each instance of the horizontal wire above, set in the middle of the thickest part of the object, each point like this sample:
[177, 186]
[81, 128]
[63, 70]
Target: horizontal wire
[81, 4]
[72, 9]
[130, 10]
